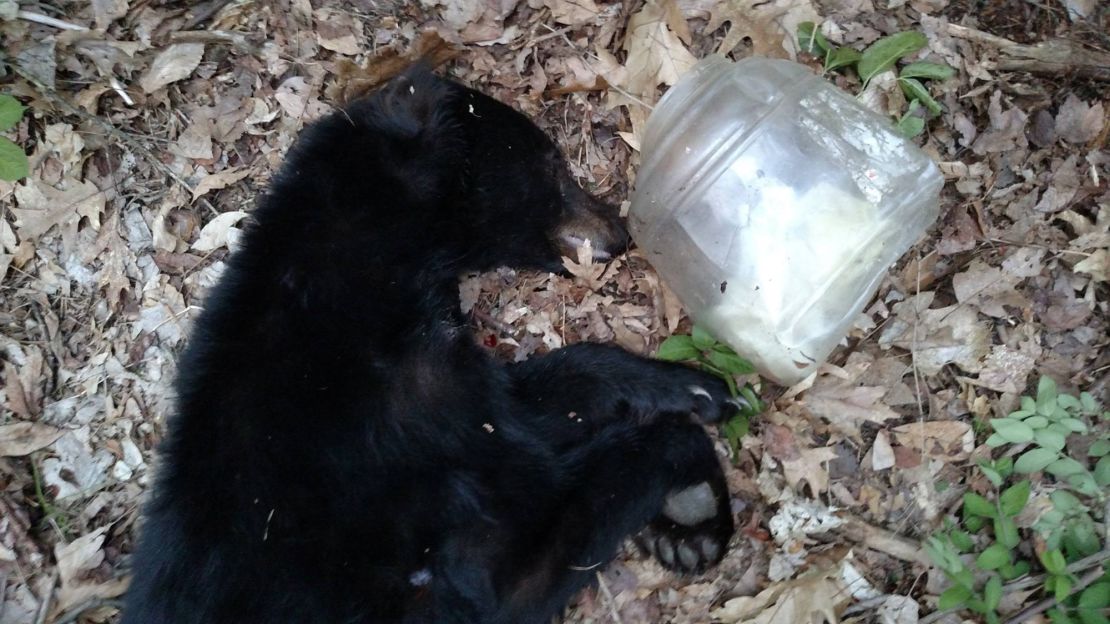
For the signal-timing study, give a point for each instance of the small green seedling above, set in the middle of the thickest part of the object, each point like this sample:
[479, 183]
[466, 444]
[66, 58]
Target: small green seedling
[880, 56]
[989, 549]
[13, 160]
[717, 358]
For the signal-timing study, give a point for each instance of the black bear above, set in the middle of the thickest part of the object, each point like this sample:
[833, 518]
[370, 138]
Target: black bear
[342, 451]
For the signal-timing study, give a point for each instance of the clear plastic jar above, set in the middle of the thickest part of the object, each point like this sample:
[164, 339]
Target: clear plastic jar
[772, 203]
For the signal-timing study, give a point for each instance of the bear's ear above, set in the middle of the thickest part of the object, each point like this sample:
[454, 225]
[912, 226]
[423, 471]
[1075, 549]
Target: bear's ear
[415, 102]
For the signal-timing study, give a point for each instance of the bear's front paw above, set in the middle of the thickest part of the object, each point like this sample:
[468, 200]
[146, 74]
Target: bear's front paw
[693, 530]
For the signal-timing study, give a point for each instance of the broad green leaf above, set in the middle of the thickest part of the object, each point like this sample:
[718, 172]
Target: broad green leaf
[1013, 431]
[1005, 531]
[1074, 424]
[1100, 448]
[910, 126]
[1005, 466]
[975, 505]
[1053, 561]
[1092, 616]
[973, 523]
[1102, 471]
[995, 440]
[1013, 500]
[994, 557]
[1069, 402]
[1037, 422]
[992, 592]
[917, 91]
[953, 597]
[1046, 396]
[884, 53]
[1088, 402]
[841, 57]
[11, 111]
[928, 71]
[702, 339]
[677, 349]
[1035, 460]
[13, 161]
[1020, 414]
[962, 541]
[1021, 568]
[1059, 617]
[1028, 404]
[1096, 596]
[1081, 538]
[1065, 501]
[731, 363]
[811, 40]
[1084, 483]
[1064, 467]
[1050, 439]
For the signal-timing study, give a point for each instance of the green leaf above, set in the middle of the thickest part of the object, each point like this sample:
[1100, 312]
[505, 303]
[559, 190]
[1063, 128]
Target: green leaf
[1081, 538]
[884, 53]
[973, 523]
[994, 557]
[1028, 404]
[993, 475]
[1064, 467]
[1037, 422]
[1084, 483]
[1046, 396]
[13, 161]
[1005, 466]
[1005, 531]
[811, 40]
[1065, 501]
[1050, 439]
[1074, 425]
[11, 111]
[975, 505]
[1059, 617]
[1102, 471]
[1011, 430]
[953, 597]
[1013, 500]
[1035, 460]
[1100, 448]
[1053, 561]
[917, 91]
[992, 592]
[1096, 596]
[910, 126]
[731, 363]
[1069, 402]
[928, 71]
[1088, 402]
[995, 440]
[1020, 414]
[1063, 588]
[841, 57]
[1092, 616]
[677, 349]
[962, 541]
[702, 340]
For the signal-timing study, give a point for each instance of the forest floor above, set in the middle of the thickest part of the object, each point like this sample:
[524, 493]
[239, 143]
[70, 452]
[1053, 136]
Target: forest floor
[153, 125]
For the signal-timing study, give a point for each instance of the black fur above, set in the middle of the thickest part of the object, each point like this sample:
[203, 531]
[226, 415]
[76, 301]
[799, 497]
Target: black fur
[343, 452]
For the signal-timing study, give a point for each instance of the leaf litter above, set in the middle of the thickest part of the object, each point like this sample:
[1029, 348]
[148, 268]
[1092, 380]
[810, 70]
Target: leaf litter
[152, 129]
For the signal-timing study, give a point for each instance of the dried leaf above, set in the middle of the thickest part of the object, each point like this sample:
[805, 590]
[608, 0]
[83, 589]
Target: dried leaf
[217, 181]
[1077, 122]
[1097, 265]
[769, 25]
[810, 466]
[219, 231]
[172, 64]
[943, 440]
[23, 438]
[656, 55]
[572, 12]
[338, 31]
[882, 454]
[815, 598]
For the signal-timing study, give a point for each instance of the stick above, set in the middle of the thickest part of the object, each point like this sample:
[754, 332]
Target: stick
[1049, 57]
[46, 20]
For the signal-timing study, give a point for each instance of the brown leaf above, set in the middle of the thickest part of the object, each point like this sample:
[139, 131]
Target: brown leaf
[572, 12]
[216, 181]
[771, 26]
[937, 337]
[943, 440]
[809, 466]
[338, 31]
[172, 64]
[1077, 122]
[23, 438]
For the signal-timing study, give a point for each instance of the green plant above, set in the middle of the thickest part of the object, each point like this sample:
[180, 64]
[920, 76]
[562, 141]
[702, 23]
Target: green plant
[987, 548]
[717, 358]
[880, 56]
[1046, 423]
[13, 161]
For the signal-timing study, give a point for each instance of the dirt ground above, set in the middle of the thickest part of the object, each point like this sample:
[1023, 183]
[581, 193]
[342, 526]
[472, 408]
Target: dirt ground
[153, 125]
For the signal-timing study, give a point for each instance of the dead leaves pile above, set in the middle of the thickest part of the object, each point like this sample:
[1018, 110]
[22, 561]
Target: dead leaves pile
[153, 127]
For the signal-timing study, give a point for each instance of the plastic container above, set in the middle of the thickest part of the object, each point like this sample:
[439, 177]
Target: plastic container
[772, 203]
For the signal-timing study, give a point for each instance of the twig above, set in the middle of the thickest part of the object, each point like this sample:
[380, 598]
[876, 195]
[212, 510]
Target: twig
[46, 20]
[69, 617]
[1048, 57]
[204, 13]
[882, 540]
[217, 37]
[609, 598]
